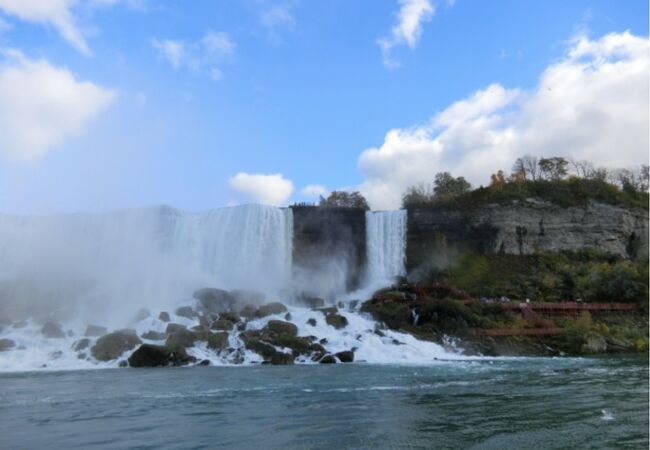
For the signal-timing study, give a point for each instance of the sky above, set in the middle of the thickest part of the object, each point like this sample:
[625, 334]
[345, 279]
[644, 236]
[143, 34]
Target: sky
[108, 104]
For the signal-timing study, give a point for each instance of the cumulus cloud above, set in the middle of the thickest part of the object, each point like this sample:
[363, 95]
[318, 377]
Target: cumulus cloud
[202, 56]
[276, 20]
[407, 30]
[271, 189]
[314, 190]
[590, 104]
[42, 105]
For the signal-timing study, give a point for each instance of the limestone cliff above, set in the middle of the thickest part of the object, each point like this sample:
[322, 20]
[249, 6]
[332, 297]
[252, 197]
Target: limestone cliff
[436, 234]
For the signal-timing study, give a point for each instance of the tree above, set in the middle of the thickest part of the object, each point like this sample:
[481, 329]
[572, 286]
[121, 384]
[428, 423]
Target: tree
[526, 165]
[497, 180]
[445, 185]
[553, 168]
[582, 167]
[344, 199]
[416, 195]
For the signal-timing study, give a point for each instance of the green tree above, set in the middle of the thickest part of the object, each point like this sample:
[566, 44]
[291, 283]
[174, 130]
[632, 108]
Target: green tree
[553, 168]
[343, 199]
[445, 185]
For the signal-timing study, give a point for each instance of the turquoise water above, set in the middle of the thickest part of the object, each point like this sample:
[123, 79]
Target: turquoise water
[497, 404]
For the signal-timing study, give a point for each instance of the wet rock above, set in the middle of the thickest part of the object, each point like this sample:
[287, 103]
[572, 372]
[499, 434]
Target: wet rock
[323, 341]
[215, 300]
[218, 341]
[271, 308]
[287, 316]
[123, 363]
[112, 345]
[618, 345]
[222, 324]
[261, 348]
[82, 355]
[345, 356]
[52, 330]
[281, 327]
[6, 344]
[354, 304]
[336, 320]
[81, 344]
[328, 310]
[184, 338]
[312, 302]
[594, 343]
[154, 335]
[142, 314]
[174, 327]
[281, 359]
[248, 312]
[231, 316]
[311, 321]
[159, 356]
[244, 296]
[205, 320]
[187, 312]
[327, 359]
[205, 362]
[164, 316]
[95, 331]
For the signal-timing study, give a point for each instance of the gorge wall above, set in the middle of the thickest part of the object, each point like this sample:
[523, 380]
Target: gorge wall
[436, 235]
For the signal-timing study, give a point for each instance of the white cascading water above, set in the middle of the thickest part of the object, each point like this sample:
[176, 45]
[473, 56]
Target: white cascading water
[386, 246]
[82, 268]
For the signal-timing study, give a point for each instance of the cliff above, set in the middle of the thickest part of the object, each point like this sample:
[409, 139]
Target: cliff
[437, 234]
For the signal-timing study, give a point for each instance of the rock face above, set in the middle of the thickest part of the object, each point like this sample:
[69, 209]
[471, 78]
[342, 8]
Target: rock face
[322, 235]
[435, 235]
[114, 344]
[158, 356]
[594, 343]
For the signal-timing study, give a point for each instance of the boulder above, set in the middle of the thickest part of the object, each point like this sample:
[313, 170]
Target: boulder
[52, 330]
[184, 338]
[112, 345]
[261, 348]
[281, 359]
[271, 308]
[187, 312]
[159, 356]
[248, 312]
[311, 321]
[123, 363]
[336, 320]
[281, 327]
[142, 314]
[288, 317]
[327, 359]
[312, 302]
[154, 335]
[232, 316]
[244, 296]
[95, 331]
[204, 362]
[345, 356]
[619, 345]
[594, 343]
[174, 327]
[164, 316]
[215, 300]
[81, 344]
[6, 344]
[218, 341]
[222, 324]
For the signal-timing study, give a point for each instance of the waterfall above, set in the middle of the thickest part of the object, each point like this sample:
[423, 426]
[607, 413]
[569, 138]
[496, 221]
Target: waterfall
[107, 264]
[386, 246]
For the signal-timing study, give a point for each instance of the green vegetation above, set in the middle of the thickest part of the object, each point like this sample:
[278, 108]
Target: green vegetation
[587, 274]
[547, 179]
[343, 199]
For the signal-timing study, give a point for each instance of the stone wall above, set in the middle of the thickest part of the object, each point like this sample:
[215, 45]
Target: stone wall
[436, 235]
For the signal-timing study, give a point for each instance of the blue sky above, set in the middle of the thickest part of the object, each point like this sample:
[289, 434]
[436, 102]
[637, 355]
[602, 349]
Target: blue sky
[167, 101]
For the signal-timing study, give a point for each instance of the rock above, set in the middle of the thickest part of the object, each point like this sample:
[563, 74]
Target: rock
[184, 338]
[6, 344]
[218, 341]
[327, 359]
[142, 314]
[81, 344]
[187, 312]
[82, 355]
[281, 359]
[222, 324]
[270, 309]
[159, 356]
[248, 311]
[154, 335]
[123, 363]
[328, 310]
[336, 320]
[231, 316]
[345, 356]
[311, 321]
[95, 331]
[204, 362]
[287, 317]
[312, 302]
[174, 327]
[164, 316]
[594, 343]
[112, 345]
[52, 330]
[618, 345]
[215, 300]
[261, 348]
[281, 327]
[205, 320]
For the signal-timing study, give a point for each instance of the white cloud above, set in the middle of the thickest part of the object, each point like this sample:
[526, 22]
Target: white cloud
[591, 104]
[411, 16]
[277, 19]
[272, 189]
[56, 13]
[42, 105]
[202, 56]
[314, 190]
